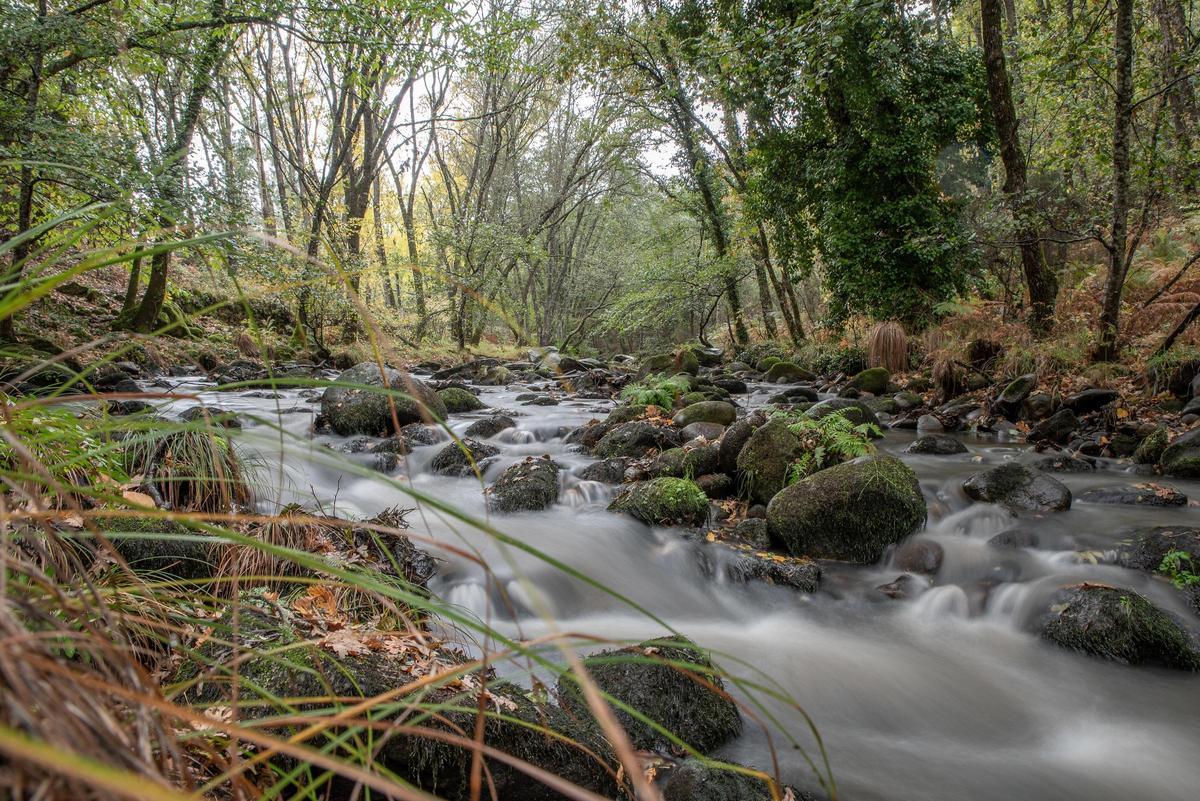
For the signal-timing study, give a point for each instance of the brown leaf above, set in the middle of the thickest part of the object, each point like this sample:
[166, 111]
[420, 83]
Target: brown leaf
[139, 499]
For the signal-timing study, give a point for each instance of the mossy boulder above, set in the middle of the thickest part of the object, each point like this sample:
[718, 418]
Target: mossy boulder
[854, 410]
[634, 439]
[606, 471]
[525, 486]
[1152, 446]
[458, 400]
[1121, 626]
[294, 666]
[851, 511]
[463, 458]
[718, 412]
[732, 442]
[937, 444]
[687, 362]
[1019, 489]
[1145, 549]
[788, 373]
[151, 544]
[694, 780]
[1181, 458]
[664, 501]
[874, 380]
[669, 681]
[765, 460]
[693, 398]
[656, 364]
[766, 363]
[1009, 401]
[496, 376]
[686, 462]
[367, 410]
[490, 426]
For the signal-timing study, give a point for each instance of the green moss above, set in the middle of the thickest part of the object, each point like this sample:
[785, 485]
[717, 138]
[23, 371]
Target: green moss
[690, 463]
[688, 362]
[1181, 458]
[706, 411]
[665, 501]
[875, 380]
[631, 439]
[458, 400]
[764, 461]
[528, 485]
[766, 363]
[788, 372]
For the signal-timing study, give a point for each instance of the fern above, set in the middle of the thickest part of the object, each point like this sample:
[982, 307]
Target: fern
[656, 391]
[828, 441]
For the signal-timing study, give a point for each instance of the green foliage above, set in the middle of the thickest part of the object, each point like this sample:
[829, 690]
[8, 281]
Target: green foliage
[656, 391]
[1179, 567]
[59, 450]
[830, 440]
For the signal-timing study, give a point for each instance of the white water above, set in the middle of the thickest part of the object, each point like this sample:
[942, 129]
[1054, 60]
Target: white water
[947, 695]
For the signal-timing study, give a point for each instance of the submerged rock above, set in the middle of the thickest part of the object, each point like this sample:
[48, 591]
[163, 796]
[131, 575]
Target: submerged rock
[463, 458]
[1121, 626]
[646, 678]
[1019, 489]
[1066, 463]
[526, 486]
[368, 411]
[851, 511]
[1135, 495]
[664, 501]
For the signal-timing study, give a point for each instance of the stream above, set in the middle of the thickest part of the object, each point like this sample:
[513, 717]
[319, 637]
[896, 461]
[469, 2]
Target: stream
[946, 694]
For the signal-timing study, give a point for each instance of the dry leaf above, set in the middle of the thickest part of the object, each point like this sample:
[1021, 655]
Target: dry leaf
[344, 643]
[139, 499]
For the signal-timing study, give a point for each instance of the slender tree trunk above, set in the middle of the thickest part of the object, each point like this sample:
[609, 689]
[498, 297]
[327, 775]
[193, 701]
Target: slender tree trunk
[131, 290]
[1042, 284]
[1118, 260]
[390, 296]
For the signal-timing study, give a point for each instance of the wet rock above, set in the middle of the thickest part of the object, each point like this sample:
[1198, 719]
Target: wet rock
[490, 426]
[645, 677]
[1181, 458]
[1135, 495]
[123, 408]
[1019, 488]
[708, 431]
[413, 435]
[664, 501]
[693, 780]
[874, 380]
[793, 395]
[1091, 400]
[716, 485]
[854, 410]
[241, 371]
[1067, 463]
[788, 373]
[1145, 548]
[908, 400]
[606, 471]
[686, 462]
[634, 439]
[765, 460]
[1121, 626]
[1015, 537]
[686, 361]
[931, 423]
[937, 445]
[459, 400]
[211, 415]
[718, 412]
[851, 511]
[1009, 401]
[463, 458]
[1057, 428]
[732, 441]
[734, 386]
[904, 586]
[919, 556]
[368, 411]
[526, 486]
[1038, 406]
[753, 531]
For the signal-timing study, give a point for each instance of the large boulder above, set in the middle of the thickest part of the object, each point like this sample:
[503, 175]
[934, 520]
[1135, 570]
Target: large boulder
[854, 410]
[1019, 489]
[352, 410]
[1121, 626]
[851, 511]
[732, 441]
[1181, 458]
[718, 412]
[788, 373]
[874, 380]
[664, 501]
[766, 459]
[463, 458]
[686, 462]
[669, 681]
[634, 439]
[458, 400]
[526, 486]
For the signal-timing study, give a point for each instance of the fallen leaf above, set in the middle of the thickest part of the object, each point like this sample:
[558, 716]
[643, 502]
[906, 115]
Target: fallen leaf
[139, 499]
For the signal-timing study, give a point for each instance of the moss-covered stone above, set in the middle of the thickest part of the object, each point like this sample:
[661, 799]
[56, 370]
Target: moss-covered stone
[694, 780]
[656, 364]
[665, 501]
[706, 412]
[526, 486]
[463, 458]
[1019, 488]
[458, 400]
[686, 463]
[766, 363]
[937, 444]
[687, 361]
[490, 426]
[788, 373]
[1121, 626]
[368, 411]
[854, 410]
[851, 511]
[633, 439]
[1151, 448]
[764, 461]
[874, 380]
[1181, 458]
[692, 398]
[151, 544]
[732, 442]
[667, 681]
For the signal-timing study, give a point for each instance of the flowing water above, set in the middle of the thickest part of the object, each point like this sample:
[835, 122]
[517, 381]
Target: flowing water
[947, 694]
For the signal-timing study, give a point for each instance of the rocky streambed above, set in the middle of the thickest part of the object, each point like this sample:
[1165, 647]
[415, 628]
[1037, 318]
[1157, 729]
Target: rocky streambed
[961, 615]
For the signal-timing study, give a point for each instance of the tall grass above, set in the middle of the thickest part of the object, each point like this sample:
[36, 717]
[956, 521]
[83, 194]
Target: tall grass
[151, 613]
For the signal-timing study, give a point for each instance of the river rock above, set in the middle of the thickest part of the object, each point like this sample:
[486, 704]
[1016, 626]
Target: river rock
[788, 373]
[734, 386]
[1135, 495]
[718, 412]
[716, 485]
[1019, 489]
[490, 426]
[606, 471]
[1015, 537]
[874, 380]
[1121, 626]
[366, 411]
[463, 458]
[211, 415]
[458, 400]
[634, 439]
[646, 678]
[937, 445]
[765, 460]
[855, 410]
[525, 486]
[708, 431]
[794, 395]
[1091, 400]
[919, 556]
[1067, 463]
[1056, 428]
[850, 511]
[1009, 401]
[1181, 459]
[693, 780]
[686, 462]
[733, 440]
[664, 501]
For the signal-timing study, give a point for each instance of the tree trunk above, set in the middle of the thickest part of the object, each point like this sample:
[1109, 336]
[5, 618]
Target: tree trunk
[1042, 284]
[1118, 260]
[390, 296]
[135, 277]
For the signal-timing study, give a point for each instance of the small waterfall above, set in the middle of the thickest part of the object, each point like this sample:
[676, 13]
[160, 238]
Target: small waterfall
[587, 494]
[941, 602]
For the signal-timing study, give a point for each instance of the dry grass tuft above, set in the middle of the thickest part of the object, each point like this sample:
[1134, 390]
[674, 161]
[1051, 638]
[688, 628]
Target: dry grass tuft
[887, 347]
